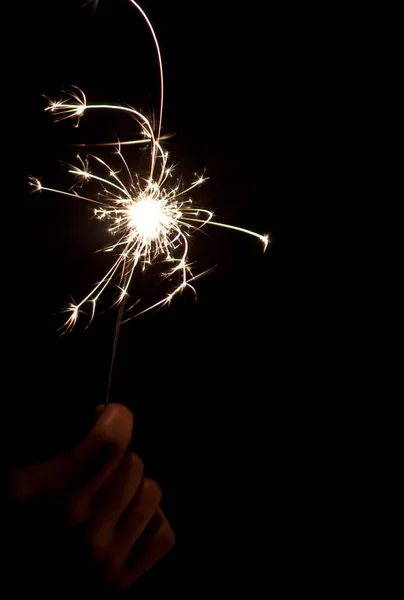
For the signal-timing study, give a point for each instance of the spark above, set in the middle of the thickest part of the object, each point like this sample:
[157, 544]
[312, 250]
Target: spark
[150, 219]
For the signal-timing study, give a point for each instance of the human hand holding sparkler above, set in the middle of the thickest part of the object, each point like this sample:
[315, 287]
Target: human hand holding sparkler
[89, 512]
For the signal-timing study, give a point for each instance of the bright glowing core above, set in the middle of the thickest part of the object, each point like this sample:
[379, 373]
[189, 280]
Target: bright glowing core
[147, 218]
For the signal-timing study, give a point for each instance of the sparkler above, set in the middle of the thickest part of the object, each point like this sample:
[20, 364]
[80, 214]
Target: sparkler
[150, 220]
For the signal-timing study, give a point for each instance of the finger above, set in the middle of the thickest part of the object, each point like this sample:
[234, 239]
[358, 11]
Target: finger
[111, 501]
[86, 467]
[156, 541]
[100, 409]
[136, 517]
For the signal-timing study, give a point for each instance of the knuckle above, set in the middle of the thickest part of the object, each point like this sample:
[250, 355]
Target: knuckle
[154, 490]
[136, 465]
[170, 538]
[166, 537]
[170, 534]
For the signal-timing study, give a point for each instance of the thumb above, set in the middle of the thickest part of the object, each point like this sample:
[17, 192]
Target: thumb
[86, 467]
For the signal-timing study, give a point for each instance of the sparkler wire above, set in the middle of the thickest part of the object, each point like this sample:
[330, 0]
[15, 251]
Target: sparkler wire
[150, 219]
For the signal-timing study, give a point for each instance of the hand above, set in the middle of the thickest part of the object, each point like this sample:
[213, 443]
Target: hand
[89, 511]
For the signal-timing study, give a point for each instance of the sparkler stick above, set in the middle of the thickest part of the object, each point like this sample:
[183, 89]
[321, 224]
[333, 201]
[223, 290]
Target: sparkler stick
[151, 221]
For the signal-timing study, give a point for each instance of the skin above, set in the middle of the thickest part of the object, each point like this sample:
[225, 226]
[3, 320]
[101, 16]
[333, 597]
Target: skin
[95, 502]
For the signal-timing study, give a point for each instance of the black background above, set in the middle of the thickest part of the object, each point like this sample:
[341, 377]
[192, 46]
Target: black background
[218, 386]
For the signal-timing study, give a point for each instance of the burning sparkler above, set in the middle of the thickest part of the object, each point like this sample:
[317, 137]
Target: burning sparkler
[149, 219]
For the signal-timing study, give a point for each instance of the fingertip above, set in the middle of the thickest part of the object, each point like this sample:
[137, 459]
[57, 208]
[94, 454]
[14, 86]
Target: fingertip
[113, 412]
[102, 407]
[114, 424]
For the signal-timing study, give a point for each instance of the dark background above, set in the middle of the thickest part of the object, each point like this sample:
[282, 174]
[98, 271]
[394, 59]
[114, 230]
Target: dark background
[218, 386]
